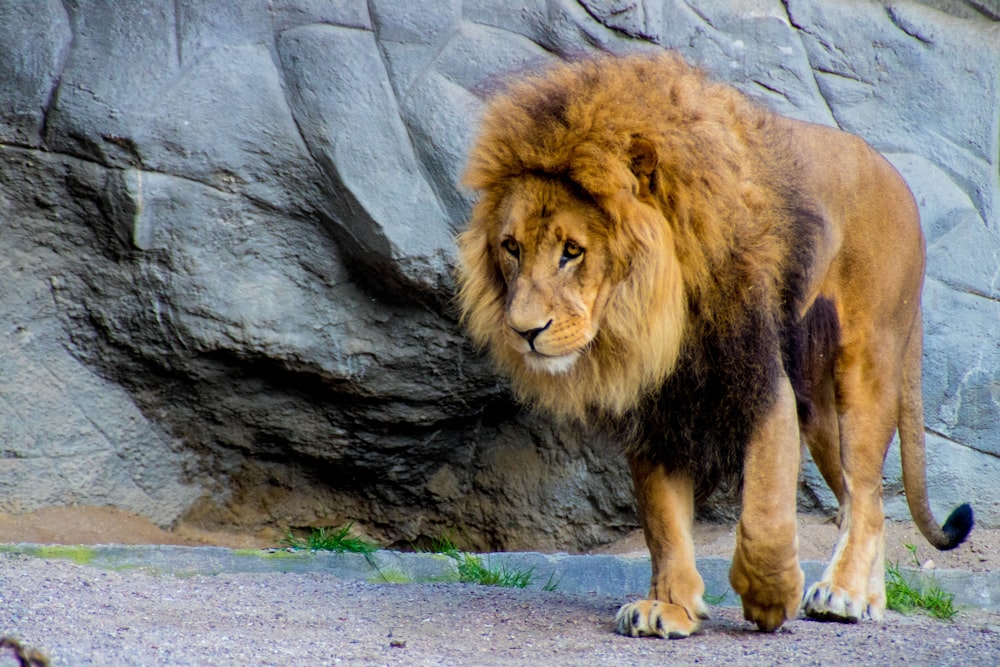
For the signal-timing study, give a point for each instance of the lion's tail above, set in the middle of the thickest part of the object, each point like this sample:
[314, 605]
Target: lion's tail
[911, 445]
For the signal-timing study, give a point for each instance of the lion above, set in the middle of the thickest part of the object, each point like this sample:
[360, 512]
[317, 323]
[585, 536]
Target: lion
[711, 283]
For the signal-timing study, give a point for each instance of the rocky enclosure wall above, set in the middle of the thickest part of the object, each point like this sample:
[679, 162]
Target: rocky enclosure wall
[226, 241]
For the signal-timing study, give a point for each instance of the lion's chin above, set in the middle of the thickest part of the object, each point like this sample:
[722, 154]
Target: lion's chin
[552, 365]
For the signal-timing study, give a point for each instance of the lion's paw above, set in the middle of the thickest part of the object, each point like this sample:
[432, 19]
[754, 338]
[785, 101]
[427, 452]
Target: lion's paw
[825, 602]
[653, 618]
[769, 598]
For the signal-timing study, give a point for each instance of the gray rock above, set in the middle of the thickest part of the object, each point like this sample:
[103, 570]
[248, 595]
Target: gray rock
[380, 203]
[227, 249]
[34, 40]
[944, 108]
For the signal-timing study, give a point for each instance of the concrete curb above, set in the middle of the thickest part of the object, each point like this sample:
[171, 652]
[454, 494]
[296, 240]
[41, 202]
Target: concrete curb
[622, 576]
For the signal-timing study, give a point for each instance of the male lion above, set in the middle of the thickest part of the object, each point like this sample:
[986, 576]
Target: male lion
[712, 283]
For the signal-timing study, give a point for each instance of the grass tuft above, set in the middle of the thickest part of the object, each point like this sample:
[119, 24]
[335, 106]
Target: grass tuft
[444, 545]
[473, 569]
[338, 540]
[714, 600]
[927, 597]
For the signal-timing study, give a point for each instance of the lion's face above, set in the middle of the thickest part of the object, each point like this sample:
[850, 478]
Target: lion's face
[552, 256]
[568, 269]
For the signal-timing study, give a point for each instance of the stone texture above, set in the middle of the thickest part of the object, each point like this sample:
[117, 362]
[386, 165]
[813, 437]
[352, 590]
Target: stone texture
[381, 206]
[225, 236]
[28, 73]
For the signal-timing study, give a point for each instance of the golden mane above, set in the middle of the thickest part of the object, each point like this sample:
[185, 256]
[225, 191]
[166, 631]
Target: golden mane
[705, 235]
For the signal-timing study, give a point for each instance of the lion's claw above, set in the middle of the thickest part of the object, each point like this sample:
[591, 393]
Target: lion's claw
[825, 602]
[653, 618]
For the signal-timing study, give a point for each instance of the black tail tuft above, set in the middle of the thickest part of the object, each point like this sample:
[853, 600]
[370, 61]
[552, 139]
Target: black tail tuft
[958, 526]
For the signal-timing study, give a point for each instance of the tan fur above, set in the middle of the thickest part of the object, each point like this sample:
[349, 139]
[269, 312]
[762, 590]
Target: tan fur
[630, 209]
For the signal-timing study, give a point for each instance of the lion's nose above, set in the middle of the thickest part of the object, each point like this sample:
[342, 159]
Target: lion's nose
[531, 334]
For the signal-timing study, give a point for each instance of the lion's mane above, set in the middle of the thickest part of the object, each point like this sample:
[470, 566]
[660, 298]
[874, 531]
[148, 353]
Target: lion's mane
[707, 277]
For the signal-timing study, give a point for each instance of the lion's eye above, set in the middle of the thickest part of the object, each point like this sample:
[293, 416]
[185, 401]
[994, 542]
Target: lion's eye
[571, 251]
[512, 247]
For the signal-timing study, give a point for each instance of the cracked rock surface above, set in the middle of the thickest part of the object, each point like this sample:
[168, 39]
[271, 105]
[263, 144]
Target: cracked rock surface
[226, 250]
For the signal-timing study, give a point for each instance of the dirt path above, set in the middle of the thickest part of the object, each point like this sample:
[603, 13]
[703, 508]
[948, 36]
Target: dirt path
[81, 615]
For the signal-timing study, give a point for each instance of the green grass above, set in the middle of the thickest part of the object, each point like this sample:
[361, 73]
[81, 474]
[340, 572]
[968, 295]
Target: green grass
[927, 597]
[443, 545]
[81, 555]
[338, 540]
[473, 569]
[390, 577]
[714, 600]
[551, 584]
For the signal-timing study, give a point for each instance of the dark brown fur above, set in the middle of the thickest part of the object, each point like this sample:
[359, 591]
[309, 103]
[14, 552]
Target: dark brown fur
[703, 416]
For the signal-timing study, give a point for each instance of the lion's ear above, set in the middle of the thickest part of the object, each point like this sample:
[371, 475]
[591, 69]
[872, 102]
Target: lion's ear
[644, 160]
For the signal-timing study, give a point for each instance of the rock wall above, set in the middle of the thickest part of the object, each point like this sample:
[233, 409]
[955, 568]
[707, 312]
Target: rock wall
[225, 250]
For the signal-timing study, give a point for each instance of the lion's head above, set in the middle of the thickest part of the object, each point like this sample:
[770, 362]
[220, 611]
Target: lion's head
[551, 286]
[596, 225]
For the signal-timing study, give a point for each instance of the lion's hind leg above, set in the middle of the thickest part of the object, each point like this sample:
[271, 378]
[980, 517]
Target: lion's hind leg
[819, 423]
[675, 607]
[852, 587]
[827, 601]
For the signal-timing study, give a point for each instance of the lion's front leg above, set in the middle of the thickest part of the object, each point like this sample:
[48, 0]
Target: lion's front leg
[765, 572]
[666, 508]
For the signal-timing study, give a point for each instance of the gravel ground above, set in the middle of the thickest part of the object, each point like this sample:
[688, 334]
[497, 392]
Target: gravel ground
[81, 615]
